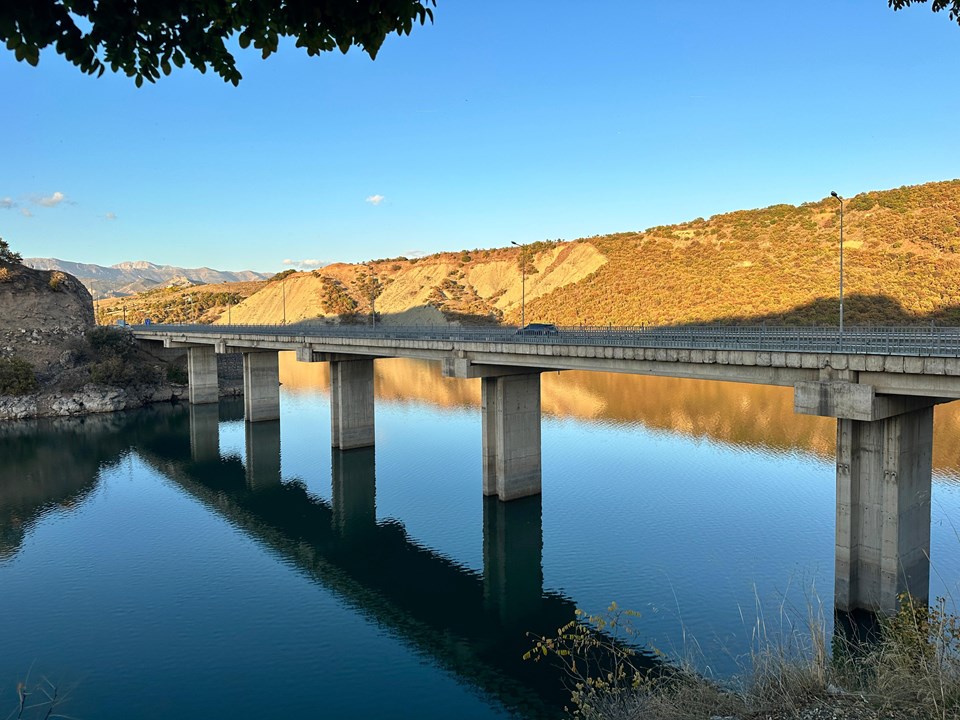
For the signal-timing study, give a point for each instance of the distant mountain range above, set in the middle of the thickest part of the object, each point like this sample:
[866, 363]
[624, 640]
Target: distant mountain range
[129, 278]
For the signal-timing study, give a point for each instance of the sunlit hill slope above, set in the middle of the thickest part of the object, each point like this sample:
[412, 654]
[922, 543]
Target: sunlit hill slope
[776, 264]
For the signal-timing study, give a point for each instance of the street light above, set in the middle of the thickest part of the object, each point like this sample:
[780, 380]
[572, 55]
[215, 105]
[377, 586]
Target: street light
[283, 291]
[839, 199]
[523, 285]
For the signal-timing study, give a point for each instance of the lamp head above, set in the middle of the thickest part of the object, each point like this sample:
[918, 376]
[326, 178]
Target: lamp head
[833, 193]
[515, 243]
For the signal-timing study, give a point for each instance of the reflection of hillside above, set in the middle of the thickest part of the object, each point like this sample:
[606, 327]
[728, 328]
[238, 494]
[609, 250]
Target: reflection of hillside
[50, 465]
[735, 413]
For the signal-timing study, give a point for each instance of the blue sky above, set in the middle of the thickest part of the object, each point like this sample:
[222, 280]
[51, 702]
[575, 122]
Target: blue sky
[498, 123]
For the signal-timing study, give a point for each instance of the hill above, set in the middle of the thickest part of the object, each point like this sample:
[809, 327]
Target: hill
[778, 265]
[130, 278]
[176, 302]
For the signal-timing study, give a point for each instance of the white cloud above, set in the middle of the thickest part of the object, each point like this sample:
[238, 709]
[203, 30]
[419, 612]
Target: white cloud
[51, 200]
[308, 263]
[110, 216]
[375, 199]
[26, 212]
[7, 203]
[415, 253]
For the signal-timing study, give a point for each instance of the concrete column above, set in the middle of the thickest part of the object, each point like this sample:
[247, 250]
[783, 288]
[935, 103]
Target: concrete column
[205, 433]
[354, 491]
[202, 375]
[261, 386]
[263, 454]
[883, 510]
[513, 559]
[351, 404]
[511, 436]
[488, 414]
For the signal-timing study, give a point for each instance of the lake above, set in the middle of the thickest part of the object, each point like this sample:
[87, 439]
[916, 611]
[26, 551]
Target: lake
[175, 560]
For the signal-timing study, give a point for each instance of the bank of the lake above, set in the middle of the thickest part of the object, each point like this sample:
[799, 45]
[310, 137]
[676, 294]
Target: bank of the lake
[262, 574]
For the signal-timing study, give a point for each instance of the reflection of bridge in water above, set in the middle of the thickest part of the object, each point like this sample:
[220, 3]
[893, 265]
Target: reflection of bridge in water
[879, 384]
[475, 624]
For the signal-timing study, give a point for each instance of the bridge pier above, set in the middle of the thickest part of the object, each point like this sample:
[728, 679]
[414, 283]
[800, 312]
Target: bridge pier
[262, 454]
[261, 386]
[884, 468]
[202, 375]
[351, 404]
[511, 436]
[510, 421]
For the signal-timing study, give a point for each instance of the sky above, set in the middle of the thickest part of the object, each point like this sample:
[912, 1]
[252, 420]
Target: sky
[498, 123]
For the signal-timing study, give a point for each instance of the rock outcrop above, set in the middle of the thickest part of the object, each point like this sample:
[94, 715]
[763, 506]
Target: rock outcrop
[45, 320]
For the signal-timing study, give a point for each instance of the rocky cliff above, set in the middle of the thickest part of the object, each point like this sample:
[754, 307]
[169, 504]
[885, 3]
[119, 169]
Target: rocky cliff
[40, 311]
[55, 361]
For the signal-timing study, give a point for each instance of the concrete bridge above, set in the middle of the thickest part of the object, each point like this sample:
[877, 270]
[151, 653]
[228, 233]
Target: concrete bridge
[881, 385]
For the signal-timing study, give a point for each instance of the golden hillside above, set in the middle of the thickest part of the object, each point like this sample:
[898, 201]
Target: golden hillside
[778, 264]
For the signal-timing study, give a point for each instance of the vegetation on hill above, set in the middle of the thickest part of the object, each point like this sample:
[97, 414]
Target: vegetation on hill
[781, 265]
[192, 304]
[7, 255]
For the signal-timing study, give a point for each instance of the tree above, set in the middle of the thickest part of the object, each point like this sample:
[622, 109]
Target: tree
[952, 6]
[143, 39]
[7, 255]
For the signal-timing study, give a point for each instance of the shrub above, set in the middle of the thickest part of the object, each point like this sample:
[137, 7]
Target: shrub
[57, 279]
[177, 374]
[117, 372]
[16, 377]
[110, 341]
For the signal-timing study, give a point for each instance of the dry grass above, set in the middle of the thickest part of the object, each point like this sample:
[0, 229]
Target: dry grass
[908, 669]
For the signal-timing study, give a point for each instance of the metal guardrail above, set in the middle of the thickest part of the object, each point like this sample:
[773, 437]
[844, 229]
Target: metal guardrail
[924, 341]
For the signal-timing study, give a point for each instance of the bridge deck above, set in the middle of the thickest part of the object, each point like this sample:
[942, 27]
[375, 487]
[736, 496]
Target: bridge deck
[895, 360]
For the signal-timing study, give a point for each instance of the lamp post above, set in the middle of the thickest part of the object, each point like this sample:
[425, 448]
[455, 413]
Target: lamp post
[374, 286]
[523, 285]
[839, 199]
[283, 292]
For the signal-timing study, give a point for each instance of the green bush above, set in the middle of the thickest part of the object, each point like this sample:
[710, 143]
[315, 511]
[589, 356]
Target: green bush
[117, 372]
[108, 341]
[115, 362]
[177, 374]
[16, 377]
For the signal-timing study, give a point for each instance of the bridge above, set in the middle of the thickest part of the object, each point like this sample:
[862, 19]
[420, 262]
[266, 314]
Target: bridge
[880, 384]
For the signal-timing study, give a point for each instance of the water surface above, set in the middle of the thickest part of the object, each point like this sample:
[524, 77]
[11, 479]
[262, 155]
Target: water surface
[177, 560]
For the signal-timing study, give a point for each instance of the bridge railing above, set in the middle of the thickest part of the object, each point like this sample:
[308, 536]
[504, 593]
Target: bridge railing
[919, 340]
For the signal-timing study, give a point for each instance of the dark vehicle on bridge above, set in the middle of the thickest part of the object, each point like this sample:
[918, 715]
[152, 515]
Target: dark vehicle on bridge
[539, 329]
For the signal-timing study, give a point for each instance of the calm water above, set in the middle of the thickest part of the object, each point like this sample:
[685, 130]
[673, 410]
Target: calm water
[164, 561]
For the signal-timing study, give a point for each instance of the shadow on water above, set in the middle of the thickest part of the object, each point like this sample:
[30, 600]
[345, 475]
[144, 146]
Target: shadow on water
[476, 624]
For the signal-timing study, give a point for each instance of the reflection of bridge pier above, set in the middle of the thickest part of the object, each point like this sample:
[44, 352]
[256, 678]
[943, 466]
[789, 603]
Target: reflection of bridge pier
[354, 502]
[205, 432]
[474, 624]
[262, 454]
[513, 558]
